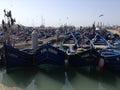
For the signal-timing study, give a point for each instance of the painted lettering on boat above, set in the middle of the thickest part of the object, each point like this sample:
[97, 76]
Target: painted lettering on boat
[43, 50]
[12, 55]
[52, 51]
[86, 55]
[48, 50]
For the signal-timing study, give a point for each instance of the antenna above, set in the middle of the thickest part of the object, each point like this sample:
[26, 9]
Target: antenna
[42, 20]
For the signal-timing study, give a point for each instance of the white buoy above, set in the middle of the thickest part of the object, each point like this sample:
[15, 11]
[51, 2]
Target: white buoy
[34, 39]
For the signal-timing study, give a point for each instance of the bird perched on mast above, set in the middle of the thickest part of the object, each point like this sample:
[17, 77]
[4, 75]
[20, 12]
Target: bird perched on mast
[101, 15]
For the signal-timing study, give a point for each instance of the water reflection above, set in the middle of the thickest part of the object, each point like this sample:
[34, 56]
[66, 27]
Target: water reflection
[109, 80]
[83, 81]
[68, 79]
[67, 85]
[49, 80]
[2, 71]
[19, 78]
[96, 80]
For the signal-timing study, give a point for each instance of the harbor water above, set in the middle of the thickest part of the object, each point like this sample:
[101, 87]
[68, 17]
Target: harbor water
[68, 79]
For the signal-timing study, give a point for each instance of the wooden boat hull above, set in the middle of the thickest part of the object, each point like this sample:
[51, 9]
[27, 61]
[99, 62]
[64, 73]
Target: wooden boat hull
[112, 63]
[86, 58]
[2, 61]
[16, 58]
[111, 59]
[48, 54]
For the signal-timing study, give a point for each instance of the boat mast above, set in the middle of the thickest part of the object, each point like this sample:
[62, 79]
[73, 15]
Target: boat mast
[7, 24]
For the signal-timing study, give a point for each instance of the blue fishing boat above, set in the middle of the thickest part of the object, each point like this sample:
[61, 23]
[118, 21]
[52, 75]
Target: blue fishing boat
[100, 42]
[85, 58]
[85, 54]
[2, 61]
[45, 54]
[110, 54]
[112, 39]
[111, 58]
[69, 43]
[15, 58]
[48, 54]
